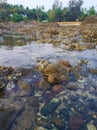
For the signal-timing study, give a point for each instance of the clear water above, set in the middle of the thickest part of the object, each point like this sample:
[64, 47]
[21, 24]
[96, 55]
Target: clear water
[19, 109]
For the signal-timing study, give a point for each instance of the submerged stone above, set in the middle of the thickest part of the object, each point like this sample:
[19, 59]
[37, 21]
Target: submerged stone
[75, 122]
[43, 84]
[23, 85]
[90, 126]
[48, 109]
[59, 123]
[72, 86]
[2, 87]
[58, 88]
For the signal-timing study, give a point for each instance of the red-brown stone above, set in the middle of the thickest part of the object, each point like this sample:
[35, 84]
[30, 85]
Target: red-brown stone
[75, 122]
[58, 88]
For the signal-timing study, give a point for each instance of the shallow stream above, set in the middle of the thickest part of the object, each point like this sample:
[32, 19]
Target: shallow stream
[28, 108]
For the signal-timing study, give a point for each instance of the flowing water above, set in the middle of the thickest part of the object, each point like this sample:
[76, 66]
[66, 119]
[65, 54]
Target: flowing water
[27, 56]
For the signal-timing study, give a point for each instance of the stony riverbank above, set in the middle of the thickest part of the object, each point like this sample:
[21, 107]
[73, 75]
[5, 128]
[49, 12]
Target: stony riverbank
[72, 36]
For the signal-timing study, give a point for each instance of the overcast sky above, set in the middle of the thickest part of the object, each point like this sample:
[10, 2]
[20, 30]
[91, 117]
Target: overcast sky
[48, 3]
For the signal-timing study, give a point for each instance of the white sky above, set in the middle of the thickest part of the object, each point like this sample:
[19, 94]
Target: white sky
[48, 3]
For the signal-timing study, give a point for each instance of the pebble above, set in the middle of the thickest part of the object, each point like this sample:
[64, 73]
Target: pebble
[43, 84]
[72, 86]
[58, 122]
[93, 105]
[48, 109]
[44, 122]
[75, 122]
[23, 85]
[58, 88]
[90, 126]
[33, 101]
[10, 86]
[40, 128]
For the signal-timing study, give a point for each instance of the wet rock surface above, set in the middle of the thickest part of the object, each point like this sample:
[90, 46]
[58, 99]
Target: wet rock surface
[55, 72]
[62, 106]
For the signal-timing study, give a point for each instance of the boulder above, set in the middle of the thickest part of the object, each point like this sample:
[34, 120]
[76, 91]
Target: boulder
[55, 72]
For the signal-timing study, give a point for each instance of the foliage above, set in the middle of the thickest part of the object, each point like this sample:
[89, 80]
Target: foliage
[83, 15]
[74, 10]
[91, 11]
[17, 13]
[17, 17]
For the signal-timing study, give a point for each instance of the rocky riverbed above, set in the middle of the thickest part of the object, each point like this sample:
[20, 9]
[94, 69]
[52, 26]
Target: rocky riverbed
[51, 86]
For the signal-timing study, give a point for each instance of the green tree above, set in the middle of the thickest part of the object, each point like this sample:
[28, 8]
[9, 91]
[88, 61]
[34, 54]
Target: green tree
[55, 15]
[28, 13]
[83, 14]
[51, 16]
[91, 11]
[39, 13]
[74, 9]
[64, 12]
[16, 17]
[4, 12]
[58, 15]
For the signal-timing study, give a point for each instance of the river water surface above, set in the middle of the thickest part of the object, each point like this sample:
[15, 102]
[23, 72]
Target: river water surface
[26, 56]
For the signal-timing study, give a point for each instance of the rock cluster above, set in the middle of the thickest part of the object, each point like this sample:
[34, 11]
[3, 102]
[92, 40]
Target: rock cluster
[8, 76]
[40, 32]
[51, 33]
[88, 30]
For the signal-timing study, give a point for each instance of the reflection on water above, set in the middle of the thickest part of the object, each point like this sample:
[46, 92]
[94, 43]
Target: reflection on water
[13, 40]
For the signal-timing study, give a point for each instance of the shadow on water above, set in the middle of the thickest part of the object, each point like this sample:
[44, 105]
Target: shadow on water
[5, 118]
[11, 41]
[8, 116]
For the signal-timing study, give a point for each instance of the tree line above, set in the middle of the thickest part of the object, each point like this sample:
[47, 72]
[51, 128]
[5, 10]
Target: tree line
[73, 12]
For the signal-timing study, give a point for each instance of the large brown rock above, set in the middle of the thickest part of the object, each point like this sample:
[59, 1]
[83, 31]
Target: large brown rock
[55, 72]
